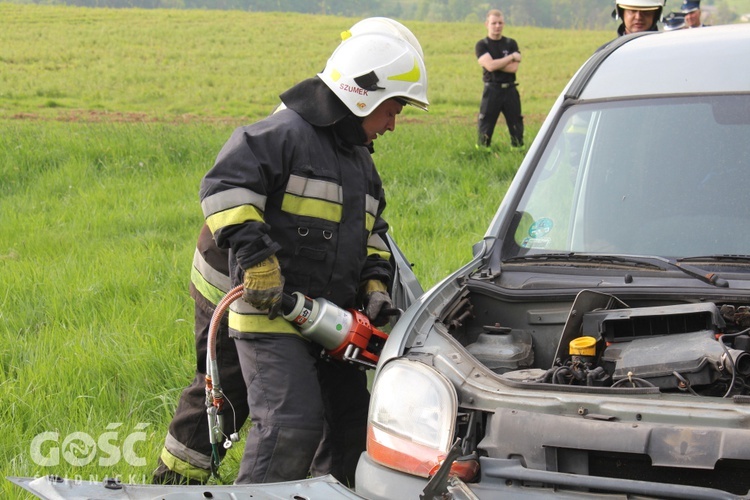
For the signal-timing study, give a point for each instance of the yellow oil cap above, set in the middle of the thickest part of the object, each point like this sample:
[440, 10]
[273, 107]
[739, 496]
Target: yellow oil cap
[583, 346]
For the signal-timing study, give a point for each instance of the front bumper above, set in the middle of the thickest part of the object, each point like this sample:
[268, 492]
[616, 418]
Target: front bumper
[508, 478]
[373, 481]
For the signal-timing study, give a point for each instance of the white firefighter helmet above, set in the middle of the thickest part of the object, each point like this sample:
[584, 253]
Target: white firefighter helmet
[369, 68]
[386, 26]
[657, 5]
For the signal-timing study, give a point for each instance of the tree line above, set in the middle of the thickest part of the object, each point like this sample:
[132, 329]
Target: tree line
[560, 14]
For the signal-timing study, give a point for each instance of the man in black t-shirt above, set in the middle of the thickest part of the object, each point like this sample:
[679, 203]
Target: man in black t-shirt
[499, 57]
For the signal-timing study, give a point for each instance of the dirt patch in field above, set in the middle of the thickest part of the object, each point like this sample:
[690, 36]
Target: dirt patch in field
[94, 116]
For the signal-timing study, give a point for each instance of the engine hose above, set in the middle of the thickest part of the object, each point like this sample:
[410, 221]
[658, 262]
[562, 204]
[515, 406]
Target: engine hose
[560, 373]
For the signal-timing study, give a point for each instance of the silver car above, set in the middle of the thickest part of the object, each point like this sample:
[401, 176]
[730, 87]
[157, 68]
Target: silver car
[597, 345]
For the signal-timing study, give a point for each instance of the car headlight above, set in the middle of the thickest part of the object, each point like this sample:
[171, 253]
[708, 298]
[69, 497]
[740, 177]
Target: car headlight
[412, 417]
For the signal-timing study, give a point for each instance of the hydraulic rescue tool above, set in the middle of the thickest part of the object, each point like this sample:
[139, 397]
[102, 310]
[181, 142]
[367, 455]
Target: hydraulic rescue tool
[345, 335]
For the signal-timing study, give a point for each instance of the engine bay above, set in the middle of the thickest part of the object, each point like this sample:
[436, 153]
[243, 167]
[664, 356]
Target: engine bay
[700, 348]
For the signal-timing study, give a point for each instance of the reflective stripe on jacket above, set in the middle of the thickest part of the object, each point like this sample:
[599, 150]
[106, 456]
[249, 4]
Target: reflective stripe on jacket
[209, 276]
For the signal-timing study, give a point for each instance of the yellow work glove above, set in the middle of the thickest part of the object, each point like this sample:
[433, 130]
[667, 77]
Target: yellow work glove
[264, 285]
[376, 300]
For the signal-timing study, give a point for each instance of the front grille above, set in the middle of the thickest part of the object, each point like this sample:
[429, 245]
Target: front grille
[732, 476]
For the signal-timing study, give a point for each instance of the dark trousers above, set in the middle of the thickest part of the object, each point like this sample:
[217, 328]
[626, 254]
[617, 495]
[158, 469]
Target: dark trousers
[496, 100]
[188, 437]
[296, 399]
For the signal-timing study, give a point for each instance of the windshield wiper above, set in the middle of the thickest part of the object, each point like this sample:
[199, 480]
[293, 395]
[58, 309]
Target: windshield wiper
[701, 274]
[652, 261]
[589, 257]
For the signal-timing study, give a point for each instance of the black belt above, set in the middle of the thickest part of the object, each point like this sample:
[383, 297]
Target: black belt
[503, 85]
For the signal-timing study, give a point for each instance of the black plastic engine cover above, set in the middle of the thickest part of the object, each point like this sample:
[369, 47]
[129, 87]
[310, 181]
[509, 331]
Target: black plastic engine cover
[694, 356]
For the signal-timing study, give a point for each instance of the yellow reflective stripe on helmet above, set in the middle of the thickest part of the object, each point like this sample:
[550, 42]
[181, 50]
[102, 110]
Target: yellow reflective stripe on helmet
[312, 208]
[259, 323]
[184, 468]
[236, 215]
[412, 75]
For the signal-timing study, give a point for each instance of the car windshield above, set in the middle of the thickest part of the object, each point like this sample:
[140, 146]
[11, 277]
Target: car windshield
[657, 176]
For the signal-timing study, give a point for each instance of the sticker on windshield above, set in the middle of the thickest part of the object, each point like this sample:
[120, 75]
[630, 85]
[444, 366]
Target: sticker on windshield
[540, 228]
[541, 243]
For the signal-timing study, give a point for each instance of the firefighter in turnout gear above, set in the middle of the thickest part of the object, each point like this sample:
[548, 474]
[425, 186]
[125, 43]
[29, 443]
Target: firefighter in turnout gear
[275, 178]
[298, 202]
[186, 456]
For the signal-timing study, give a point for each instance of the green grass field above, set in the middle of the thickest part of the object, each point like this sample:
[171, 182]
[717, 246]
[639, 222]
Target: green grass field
[108, 120]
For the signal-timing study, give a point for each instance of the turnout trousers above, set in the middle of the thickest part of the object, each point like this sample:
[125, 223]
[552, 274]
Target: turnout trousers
[500, 98]
[309, 414]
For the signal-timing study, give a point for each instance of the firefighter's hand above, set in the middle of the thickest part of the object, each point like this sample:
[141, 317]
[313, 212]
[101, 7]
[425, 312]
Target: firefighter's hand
[264, 285]
[376, 301]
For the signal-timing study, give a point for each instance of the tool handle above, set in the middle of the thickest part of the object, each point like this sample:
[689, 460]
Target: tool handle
[287, 303]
